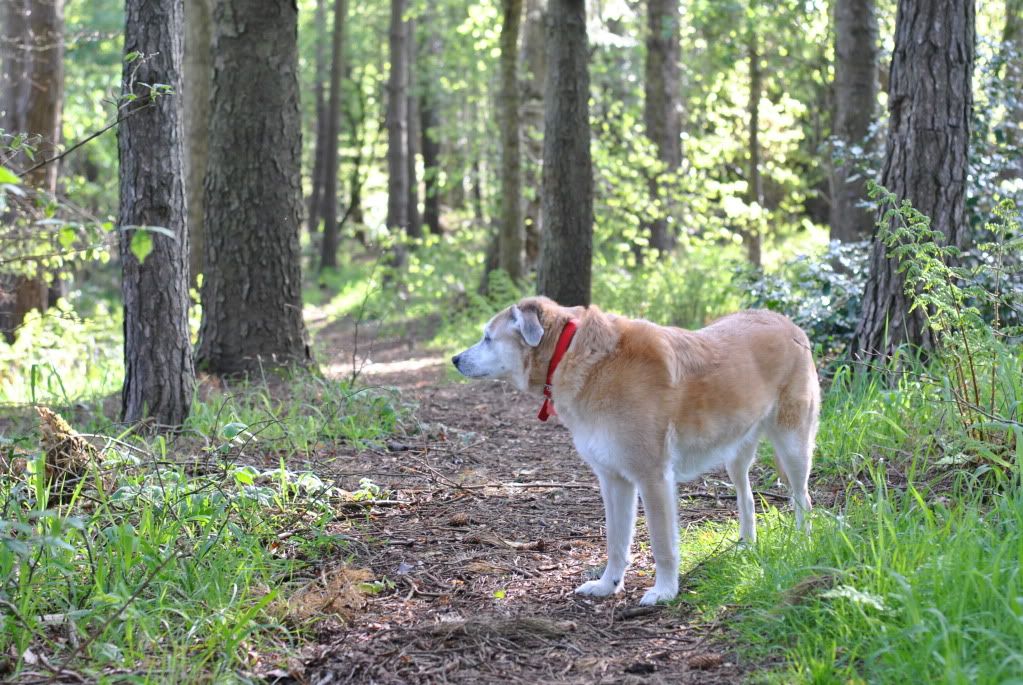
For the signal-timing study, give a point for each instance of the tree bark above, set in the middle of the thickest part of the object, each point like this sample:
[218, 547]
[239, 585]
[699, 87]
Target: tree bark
[397, 131]
[567, 243]
[662, 110]
[252, 295]
[929, 105]
[752, 236]
[31, 102]
[331, 230]
[511, 233]
[158, 373]
[415, 220]
[534, 68]
[855, 87]
[198, 65]
[315, 210]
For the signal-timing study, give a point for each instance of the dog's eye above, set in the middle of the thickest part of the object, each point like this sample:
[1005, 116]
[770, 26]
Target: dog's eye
[486, 337]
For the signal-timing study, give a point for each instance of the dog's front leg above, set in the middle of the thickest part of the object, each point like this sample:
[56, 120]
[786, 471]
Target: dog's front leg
[620, 512]
[662, 521]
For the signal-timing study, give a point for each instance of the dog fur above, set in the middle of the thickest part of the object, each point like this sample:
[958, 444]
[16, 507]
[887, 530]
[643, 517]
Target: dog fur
[649, 406]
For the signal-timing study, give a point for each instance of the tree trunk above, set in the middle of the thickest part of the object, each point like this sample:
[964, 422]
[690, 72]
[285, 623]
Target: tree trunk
[752, 236]
[397, 131]
[511, 234]
[158, 373]
[315, 211]
[855, 86]
[415, 220]
[31, 102]
[534, 70]
[252, 295]
[929, 105]
[567, 244]
[430, 130]
[662, 112]
[198, 65]
[331, 230]
[1012, 49]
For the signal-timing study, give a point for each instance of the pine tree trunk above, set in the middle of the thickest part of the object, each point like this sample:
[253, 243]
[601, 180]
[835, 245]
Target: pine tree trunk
[397, 131]
[331, 230]
[534, 68]
[511, 234]
[158, 373]
[752, 237]
[31, 102]
[315, 211]
[252, 293]
[662, 111]
[567, 243]
[855, 86]
[929, 105]
[198, 65]
[415, 220]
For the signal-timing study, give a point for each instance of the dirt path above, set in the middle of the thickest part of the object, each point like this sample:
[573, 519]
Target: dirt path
[491, 521]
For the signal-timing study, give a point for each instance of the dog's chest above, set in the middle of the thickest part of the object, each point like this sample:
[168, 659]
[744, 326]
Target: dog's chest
[594, 442]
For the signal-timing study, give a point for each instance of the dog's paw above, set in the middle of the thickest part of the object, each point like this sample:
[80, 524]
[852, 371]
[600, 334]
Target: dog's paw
[598, 588]
[656, 595]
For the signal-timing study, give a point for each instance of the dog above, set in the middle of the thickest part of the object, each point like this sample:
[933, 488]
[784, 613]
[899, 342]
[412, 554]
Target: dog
[649, 406]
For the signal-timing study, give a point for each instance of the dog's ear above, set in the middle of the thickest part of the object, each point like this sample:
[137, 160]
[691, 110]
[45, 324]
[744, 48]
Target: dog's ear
[528, 324]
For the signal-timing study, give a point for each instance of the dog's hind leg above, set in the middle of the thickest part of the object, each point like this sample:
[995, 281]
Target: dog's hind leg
[620, 513]
[660, 507]
[793, 449]
[738, 471]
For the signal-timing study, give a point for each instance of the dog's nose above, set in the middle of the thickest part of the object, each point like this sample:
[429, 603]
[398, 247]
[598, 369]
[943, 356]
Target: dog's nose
[454, 360]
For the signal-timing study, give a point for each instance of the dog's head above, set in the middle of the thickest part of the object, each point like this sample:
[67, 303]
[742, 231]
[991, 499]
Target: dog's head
[511, 344]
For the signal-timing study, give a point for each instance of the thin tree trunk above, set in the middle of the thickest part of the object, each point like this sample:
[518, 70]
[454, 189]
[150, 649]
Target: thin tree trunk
[158, 373]
[397, 131]
[315, 211]
[856, 57]
[511, 233]
[662, 111]
[31, 101]
[415, 221]
[567, 245]
[252, 294]
[752, 236]
[929, 104]
[198, 65]
[431, 159]
[331, 230]
[534, 70]
[1012, 50]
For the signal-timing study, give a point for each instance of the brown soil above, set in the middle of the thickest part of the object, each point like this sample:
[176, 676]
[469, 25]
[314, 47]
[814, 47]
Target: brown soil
[490, 523]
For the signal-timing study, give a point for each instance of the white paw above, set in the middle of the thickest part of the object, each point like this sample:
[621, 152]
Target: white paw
[598, 588]
[656, 595]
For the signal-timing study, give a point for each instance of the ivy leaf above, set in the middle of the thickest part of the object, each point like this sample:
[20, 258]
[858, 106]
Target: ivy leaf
[141, 245]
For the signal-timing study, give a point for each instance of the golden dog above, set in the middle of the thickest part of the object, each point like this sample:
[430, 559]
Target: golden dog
[649, 406]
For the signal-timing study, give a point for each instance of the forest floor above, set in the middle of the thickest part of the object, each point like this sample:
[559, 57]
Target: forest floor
[488, 521]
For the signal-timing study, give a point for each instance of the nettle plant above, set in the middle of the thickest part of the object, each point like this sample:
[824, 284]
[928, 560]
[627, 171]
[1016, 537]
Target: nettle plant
[972, 303]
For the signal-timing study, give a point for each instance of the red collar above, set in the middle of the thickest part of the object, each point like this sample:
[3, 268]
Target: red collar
[564, 340]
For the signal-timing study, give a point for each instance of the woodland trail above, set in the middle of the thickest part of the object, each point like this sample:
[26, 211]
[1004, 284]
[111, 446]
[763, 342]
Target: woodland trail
[490, 522]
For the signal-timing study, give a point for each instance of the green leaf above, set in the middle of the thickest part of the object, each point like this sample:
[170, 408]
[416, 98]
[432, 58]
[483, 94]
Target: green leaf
[8, 176]
[141, 245]
[232, 430]
[66, 237]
